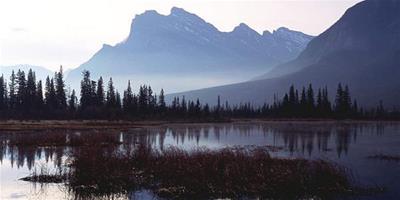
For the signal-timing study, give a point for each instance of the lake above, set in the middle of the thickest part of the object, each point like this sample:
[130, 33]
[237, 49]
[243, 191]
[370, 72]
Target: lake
[350, 144]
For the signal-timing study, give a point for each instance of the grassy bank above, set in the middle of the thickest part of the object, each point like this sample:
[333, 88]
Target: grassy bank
[36, 125]
[98, 171]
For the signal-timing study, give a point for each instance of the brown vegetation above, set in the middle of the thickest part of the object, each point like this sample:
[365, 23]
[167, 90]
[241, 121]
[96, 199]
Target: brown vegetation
[201, 173]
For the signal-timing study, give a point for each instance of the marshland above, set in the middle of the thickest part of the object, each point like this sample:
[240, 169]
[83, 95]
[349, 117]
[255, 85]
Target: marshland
[237, 160]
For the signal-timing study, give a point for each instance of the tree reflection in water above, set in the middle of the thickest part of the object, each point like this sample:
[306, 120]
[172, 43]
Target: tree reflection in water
[23, 148]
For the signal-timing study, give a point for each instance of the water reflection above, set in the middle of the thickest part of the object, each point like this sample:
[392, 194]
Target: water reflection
[23, 148]
[346, 143]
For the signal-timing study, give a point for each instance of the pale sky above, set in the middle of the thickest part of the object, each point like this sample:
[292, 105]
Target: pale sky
[51, 33]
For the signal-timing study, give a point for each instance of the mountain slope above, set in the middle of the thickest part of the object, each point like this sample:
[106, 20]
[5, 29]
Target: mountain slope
[40, 72]
[182, 51]
[362, 50]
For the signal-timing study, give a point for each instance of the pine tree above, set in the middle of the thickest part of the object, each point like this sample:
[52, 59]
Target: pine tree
[127, 102]
[310, 101]
[100, 92]
[3, 94]
[303, 102]
[339, 107]
[31, 97]
[13, 90]
[50, 95]
[39, 95]
[117, 101]
[150, 100]
[347, 100]
[60, 90]
[198, 107]
[21, 91]
[72, 103]
[183, 105]
[142, 99]
[327, 107]
[161, 101]
[86, 87]
[93, 94]
[292, 96]
[111, 96]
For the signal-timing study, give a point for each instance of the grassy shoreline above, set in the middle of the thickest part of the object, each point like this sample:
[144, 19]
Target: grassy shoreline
[200, 174]
[33, 125]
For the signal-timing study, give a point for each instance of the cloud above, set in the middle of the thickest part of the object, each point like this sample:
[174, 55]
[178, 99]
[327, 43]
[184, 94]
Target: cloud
[19, 29]
[17, 195]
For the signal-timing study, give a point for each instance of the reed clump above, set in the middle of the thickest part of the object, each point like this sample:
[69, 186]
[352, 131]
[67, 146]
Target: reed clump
[202, 173]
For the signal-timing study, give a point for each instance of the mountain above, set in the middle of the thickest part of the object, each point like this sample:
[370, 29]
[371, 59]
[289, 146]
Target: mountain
[181, 51]
[40, 72]
[362, 49]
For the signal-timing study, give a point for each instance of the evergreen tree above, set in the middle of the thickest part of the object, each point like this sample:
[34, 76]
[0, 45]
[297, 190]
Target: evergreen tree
[127, 102]
[21, 92]
[142, 99]
[310, 101]
[31, 97]
[339, 107]
[61, 98]
[3, 94]
[13, 90]
[161, 101]
[72, 103]
[183, 105]
[100, 92]
[319, 100]
[292, 96]
[327, 107]
[93, 94]
[303, 102]
[111, 96]
[343, 105]
[346, 100]
[118, 101]
[39, 95]
[86, 88]
[150, 100]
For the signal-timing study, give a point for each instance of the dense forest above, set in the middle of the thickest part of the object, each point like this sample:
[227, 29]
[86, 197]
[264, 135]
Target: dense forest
[22, 97]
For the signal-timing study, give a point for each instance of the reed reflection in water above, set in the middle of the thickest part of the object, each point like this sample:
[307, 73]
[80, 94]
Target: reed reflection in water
[346, 143]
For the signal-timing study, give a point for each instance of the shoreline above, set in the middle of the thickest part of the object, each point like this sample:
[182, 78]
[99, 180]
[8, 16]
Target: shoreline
[37, 125]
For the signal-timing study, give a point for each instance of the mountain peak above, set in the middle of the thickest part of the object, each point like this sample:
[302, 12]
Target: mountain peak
[175, 11]
[148, 13]
[244, 28]
[266, 33]
[283, 29]
[182, 43]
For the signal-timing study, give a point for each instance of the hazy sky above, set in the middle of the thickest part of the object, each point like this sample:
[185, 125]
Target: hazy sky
[50, 33]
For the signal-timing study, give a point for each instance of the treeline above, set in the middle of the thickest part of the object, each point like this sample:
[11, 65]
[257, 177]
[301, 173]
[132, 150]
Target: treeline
[316, 104]
[309, 104]
[23, 97]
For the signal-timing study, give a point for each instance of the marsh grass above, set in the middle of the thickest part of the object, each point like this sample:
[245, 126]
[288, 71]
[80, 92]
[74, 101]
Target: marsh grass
[100, 165]
[43, 174]
[99, 171]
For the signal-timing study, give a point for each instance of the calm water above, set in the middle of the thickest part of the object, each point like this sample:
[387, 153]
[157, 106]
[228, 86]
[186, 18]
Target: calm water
[348, 144]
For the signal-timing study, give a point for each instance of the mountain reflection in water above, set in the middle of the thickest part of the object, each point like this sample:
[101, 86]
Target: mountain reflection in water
[296, 138]
[346, 143]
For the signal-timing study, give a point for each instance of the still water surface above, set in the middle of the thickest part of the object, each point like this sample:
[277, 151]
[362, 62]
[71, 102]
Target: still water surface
[348, 144]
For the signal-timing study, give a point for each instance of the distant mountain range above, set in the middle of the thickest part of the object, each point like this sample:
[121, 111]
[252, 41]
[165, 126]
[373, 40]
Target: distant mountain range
[40, 72]
[181, 51]
[362, 50]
